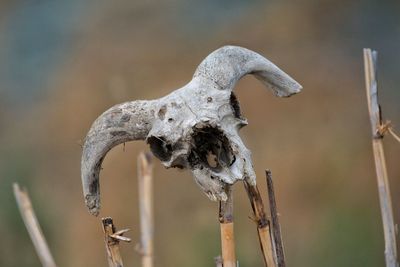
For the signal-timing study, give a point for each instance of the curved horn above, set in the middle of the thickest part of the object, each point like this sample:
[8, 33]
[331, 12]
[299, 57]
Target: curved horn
[121, 123]
[226, 65]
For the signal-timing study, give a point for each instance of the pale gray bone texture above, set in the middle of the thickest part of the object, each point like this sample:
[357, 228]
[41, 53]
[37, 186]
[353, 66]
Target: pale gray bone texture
[195, 127]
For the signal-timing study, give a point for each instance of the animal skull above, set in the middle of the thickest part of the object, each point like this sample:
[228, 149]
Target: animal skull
[195, 127]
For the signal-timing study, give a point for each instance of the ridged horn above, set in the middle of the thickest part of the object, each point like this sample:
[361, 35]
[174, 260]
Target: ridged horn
[122, 123]
[226, 65]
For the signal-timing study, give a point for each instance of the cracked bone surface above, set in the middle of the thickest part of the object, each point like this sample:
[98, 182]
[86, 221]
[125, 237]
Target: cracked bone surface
[195, 127]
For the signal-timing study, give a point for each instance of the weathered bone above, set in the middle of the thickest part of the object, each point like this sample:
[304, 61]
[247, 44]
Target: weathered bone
[195, 127]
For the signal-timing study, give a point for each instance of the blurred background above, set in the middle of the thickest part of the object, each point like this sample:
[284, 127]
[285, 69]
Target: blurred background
[62, 63]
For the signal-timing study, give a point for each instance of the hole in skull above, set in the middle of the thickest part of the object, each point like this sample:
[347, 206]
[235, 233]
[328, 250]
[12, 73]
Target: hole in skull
[160, 148]
[210, 149]
[212, 159]
[234, 102]
[161, 112]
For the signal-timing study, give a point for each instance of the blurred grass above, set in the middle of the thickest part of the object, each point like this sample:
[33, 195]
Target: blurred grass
[15, 239]
[344, 230]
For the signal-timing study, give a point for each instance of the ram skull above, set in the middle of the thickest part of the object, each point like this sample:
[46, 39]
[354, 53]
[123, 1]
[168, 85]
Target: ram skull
[195, 127]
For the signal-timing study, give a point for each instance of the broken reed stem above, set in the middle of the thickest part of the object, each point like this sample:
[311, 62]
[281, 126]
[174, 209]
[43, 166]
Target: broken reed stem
[33, 227]
[395, 136]
[112, 239]
[145, 187]
[227, 231]
[276, 227]
[263, 225]
[370, 67]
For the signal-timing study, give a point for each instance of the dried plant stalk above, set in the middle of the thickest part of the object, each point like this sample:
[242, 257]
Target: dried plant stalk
[370, 66]
[145, 179]
[33, 227]
[111, 239]
[263, 225]
[276, 228]
[227, 230]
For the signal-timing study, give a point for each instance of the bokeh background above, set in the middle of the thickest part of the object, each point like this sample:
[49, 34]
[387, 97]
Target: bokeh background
[62, 63]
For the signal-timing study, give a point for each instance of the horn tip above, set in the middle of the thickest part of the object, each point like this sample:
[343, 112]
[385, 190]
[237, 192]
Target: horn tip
[297, 88]
[290, 90]
[93, 204]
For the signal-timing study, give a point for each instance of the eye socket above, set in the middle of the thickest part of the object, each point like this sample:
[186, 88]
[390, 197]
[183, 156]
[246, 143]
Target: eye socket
[211, 149]
[160, 148]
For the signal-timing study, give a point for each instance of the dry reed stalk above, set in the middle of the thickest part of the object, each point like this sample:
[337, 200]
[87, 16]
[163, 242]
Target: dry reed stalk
[145, 187]
[33, 227]
[227, 230]
[276, 228]
[370, 67]
[263, 225]
[112, 239]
